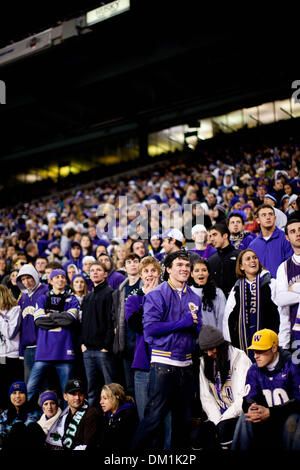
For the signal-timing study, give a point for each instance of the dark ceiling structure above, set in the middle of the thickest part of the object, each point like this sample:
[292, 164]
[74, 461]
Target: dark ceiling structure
[157, 65]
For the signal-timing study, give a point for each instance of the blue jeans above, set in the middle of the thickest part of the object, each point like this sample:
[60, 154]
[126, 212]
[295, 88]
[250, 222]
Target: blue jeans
[171, 389]
[29, 356]
[291, 433]
[95, 360]
[64, 370]
[259, 436]
[129, 376]
[142, 386]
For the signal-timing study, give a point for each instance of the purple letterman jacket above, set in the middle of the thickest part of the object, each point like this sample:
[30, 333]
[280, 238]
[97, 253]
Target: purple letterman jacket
[170, 315]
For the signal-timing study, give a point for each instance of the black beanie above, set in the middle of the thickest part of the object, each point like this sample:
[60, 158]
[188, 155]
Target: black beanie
[210, 337]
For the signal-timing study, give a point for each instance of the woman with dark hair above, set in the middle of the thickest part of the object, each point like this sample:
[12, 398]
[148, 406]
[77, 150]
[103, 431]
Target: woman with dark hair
[18, 423]
[3, 268]
[223, 370]
[10, 281]
[250, 306]
[213, 298]
[296, 213]
[86, 245]
[219, 213]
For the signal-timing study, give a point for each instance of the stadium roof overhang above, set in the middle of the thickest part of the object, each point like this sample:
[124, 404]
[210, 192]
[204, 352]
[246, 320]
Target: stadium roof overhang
[141, 70]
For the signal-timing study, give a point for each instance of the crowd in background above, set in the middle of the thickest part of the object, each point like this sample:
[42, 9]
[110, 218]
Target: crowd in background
[91, 250]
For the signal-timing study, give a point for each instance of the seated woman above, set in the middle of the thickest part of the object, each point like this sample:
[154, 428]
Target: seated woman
[18, 423]
[223, 371]
[250, 306]
[120, 419]
[48, 401]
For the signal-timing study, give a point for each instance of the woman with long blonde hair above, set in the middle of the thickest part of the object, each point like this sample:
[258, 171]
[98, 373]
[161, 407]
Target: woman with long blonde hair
[11, 367]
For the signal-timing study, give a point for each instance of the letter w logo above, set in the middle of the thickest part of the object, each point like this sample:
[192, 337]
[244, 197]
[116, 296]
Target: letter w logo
[257, 337]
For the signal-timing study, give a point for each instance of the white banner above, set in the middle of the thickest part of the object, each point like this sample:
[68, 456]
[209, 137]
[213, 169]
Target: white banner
[26, 46]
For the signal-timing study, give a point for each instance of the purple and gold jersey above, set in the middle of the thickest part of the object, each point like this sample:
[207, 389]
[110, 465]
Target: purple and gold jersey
[29, 331]
[222, 394]
[55, 344]
[277, 386]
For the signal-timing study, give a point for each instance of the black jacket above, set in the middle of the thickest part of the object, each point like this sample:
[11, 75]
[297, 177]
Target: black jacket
[222, 267]
[119, 429]
[97, 325]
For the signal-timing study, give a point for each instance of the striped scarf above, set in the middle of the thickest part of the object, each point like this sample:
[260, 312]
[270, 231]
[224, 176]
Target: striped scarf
[72, 429]
[250, 315]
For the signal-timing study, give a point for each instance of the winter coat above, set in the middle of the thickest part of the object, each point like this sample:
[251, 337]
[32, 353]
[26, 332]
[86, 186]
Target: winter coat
[239, 365]
[97, 323]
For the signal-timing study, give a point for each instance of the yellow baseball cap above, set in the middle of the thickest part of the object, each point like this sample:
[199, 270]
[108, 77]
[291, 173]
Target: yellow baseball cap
[263, 340]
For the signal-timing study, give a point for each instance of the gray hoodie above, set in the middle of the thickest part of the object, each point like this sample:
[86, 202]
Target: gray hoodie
[30, 270]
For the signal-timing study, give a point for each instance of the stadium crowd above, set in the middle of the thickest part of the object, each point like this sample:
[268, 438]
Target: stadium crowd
[155, 312]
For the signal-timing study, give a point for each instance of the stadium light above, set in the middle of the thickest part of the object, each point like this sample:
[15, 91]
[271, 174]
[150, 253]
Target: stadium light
[107, 11]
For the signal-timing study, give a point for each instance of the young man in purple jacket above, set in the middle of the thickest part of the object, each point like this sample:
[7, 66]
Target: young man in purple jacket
[172, 321]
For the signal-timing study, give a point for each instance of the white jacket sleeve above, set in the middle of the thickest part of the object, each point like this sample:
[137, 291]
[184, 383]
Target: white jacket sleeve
[284, 334]
[239, 371]
[207, 399]
[220, 308]
[230, 304]
[10, 321]
[283, 296]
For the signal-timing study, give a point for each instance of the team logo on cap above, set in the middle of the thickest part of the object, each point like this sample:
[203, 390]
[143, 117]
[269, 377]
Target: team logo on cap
[76, 383]
[257, 337]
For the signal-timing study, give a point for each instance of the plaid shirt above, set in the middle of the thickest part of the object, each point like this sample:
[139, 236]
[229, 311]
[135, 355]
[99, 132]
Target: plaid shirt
[5, 426]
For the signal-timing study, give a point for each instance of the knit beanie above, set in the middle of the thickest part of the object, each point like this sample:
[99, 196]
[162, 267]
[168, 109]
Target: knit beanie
[48, 396]
[210, 337]
[57, 272]
[18, 387]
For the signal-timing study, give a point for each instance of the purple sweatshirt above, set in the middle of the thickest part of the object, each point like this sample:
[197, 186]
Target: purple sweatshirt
[134, 305]
[55, 314]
